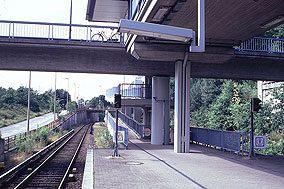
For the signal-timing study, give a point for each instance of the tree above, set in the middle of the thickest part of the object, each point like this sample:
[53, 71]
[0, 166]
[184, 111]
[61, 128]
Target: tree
[277, 32]
[9, 96]
[98, 102]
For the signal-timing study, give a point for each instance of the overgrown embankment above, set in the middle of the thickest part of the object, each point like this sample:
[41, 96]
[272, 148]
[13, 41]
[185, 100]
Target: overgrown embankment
[13, 114]
[34, 142]
[101, 140]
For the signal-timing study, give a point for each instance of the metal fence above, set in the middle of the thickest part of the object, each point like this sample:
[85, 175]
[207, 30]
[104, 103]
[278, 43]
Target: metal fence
[58, 31]
[227, 140]
[69, 119]
[136, 90]
[11, 141]
[136, 127]
[260, 44]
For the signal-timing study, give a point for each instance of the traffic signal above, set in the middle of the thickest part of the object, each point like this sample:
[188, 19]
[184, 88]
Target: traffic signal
[117, 100]
[255, 104]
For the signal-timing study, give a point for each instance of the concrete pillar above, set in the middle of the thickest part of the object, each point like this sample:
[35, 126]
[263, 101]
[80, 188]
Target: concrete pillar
[182, 107]
[2, 155]
[128, 111]
[147, 117]
[160, 131]
[137, 112]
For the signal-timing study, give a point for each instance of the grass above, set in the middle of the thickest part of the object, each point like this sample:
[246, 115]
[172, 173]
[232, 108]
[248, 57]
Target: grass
[15, 114]
[41, 138]
[101, 141]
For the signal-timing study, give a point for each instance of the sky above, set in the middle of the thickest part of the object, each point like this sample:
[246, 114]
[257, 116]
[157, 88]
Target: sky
[56, 11]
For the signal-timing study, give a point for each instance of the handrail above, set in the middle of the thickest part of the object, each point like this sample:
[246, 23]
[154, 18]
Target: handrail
[55, 23]
[261, 44]
[59, 31]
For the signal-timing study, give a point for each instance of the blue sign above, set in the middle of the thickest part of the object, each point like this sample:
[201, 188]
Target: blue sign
[259, 141]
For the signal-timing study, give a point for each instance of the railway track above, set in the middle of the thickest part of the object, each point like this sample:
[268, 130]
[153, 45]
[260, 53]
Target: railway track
[50, 167]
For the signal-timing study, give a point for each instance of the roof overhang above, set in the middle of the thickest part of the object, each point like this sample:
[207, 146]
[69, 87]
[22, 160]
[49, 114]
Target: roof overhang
[106, 10]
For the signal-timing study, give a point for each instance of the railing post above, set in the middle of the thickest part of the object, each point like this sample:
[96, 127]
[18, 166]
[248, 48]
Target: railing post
[9, 29]
[52, 29]
[8, 143]
[48, 31]
[242, 143]
[13, 30]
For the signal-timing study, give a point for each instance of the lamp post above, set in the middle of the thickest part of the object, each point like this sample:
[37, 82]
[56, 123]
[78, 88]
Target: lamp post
[29, 102]
[70, 29]
[78, 95]
[54, 99]
[75, 92]
[67, 94]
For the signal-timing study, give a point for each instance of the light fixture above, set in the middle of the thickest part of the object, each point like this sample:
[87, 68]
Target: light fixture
[156, 30]
[273, 22]
[158, 17]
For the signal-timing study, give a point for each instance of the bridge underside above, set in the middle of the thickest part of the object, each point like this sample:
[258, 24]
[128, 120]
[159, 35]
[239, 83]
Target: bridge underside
[111, 58]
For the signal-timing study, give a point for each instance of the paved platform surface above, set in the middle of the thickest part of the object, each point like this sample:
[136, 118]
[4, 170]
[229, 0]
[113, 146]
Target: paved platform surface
[156, 166]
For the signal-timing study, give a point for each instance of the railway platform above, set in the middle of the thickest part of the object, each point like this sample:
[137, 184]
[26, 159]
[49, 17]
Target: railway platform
[144, 165]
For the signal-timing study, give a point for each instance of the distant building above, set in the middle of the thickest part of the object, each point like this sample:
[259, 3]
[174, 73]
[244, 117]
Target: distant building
[264, 88]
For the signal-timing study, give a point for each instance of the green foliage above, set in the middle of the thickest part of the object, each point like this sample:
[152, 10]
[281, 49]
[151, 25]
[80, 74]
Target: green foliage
[71, 106]
[101, 140]
[13, 103]
[228, 108]
[40, 137]
[98, 102]
[277, 32]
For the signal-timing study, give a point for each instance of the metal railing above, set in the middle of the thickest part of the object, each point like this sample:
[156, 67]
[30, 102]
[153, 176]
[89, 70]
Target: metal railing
[136, 91]
[260, 44]
[58, 31]
[226, 140]
[136, 6]
[136, 127]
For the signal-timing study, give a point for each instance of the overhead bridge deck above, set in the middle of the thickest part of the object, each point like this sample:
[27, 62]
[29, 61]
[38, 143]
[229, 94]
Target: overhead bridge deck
[99, 49]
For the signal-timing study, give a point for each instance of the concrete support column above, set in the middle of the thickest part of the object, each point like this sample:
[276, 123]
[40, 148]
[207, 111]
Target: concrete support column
[137, 114]
[2, 155]
[182, 107]
[160, 131]
[147, 117]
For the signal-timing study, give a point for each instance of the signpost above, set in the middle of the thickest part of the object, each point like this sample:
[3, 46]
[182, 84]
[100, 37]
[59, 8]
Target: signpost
[117, 105]
[147, 132]
[255, 107]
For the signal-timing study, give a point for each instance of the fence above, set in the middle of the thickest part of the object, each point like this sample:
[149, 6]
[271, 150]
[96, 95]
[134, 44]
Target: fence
[136, 127]
[58, 31]
[136, 90]
[260, 44]
[227, 140]
[110, 120]
[69, 119]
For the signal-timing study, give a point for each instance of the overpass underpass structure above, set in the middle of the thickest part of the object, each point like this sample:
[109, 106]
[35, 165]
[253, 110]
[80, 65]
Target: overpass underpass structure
[226, 25]
[237, 22]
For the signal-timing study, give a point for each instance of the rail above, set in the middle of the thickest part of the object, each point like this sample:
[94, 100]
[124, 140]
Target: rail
[50, 157]
[143, 91]
[59, 31]
[226, 140]
[33, 158]
[260, 44]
